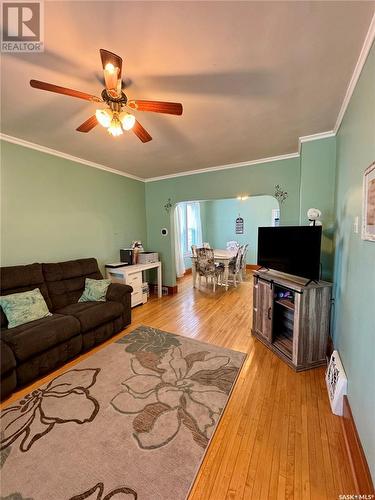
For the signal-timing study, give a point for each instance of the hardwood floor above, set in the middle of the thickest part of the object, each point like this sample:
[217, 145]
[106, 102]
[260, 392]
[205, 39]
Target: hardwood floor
[277, 438]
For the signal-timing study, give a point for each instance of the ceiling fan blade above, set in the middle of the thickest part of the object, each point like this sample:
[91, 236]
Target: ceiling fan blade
[36, 84]
[88, 124]
[112, 78]
[141, 132]
[171, 108]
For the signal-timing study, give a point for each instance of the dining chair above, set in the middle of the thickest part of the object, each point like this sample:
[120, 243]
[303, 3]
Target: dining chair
[206, 245]
[232, 245]
[205, 266]
[235, 270]
[243, 259]
[194, 250]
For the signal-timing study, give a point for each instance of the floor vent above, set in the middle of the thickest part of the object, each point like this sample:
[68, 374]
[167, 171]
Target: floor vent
[336, 383]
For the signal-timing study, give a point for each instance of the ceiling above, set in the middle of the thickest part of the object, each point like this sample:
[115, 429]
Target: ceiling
[252, 76]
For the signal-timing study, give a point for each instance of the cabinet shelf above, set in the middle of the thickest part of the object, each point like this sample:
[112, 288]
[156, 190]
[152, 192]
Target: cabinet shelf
[284, 344]
[285, 303]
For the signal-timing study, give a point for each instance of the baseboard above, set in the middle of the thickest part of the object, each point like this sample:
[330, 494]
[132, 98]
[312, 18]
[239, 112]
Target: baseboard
[357, 459]
[252, 266]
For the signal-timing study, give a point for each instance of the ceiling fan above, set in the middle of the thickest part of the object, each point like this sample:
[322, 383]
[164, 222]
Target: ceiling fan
[115, 117]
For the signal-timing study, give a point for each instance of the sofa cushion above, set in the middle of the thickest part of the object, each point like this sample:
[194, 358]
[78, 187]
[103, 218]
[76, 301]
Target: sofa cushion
[95, 290]
[37, 336]
[93, 314]
[8, 361]
[66, 280]
[23, 307]
[16, 279]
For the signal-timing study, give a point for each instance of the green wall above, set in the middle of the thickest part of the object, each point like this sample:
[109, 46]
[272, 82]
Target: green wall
[220, 221]
[53, 209]
[318, 169]
[252, 180]
[354, 325]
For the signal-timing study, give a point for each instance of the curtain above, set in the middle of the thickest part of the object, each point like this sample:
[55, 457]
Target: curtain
[178, 243]
[197, 223]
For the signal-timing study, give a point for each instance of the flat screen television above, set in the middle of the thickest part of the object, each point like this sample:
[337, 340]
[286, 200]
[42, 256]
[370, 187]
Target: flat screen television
[291, 249]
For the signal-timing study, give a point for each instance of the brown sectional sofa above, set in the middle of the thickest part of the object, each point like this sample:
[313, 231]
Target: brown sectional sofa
[34, 349]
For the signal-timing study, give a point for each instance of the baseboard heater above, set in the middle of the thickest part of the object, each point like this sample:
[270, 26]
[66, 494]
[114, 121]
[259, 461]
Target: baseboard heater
[337, 383]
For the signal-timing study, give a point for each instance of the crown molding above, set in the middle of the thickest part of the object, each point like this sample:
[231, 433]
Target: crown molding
[314, 137]
[60, 154]
[370, 37]
[224, 167]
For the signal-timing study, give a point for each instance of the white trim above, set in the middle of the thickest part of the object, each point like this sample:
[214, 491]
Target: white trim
[60, 154]
[224, 167]
[370, 37]
[314, 137]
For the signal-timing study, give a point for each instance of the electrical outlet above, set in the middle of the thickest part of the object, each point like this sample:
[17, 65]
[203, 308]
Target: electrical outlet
[356, 224]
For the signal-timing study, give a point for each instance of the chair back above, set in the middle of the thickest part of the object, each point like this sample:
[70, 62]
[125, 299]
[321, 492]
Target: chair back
[232, 245]
[205, 260]
[194, 250]
[206, 245]
[238, 260]
[244, 255]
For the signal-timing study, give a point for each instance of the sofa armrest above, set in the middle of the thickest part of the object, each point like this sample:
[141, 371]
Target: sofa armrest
[118, 292]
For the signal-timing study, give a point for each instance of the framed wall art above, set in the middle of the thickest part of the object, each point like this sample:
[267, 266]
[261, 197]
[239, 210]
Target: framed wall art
[368, 211]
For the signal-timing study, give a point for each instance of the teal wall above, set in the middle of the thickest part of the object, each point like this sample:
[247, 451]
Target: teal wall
[318, 169]
[354, 325]
[53, 209]
[252, 180]
[221, 216]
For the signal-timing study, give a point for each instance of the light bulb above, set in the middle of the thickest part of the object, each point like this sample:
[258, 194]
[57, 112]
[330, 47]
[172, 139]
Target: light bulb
[104, 117]
[115, 128]
[110, 68]
[127, 120]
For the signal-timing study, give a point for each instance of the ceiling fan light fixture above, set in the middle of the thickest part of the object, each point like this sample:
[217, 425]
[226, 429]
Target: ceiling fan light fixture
[104, 117]
[115, 128]
[127, 120]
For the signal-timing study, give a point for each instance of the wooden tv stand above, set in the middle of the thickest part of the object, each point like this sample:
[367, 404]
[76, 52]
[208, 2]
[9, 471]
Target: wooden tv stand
[292, 319]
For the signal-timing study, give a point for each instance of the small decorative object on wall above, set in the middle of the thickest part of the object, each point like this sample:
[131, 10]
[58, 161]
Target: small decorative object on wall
[275, 217]
[239, 225]
[168, 205]
[313, 215]
[368, 211]
[280, 195]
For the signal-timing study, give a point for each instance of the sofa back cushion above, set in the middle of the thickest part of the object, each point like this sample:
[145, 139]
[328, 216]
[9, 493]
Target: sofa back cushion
[16, 279]
[66, 280]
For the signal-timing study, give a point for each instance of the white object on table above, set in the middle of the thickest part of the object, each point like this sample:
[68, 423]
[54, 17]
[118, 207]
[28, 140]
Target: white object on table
[132, 275]
[220, 256]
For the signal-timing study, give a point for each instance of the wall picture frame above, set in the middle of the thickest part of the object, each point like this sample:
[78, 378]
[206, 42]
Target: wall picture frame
[239, 225]
[368, 210]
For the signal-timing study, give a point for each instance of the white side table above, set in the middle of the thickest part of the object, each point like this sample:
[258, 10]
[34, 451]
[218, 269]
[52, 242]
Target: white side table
[132, 275]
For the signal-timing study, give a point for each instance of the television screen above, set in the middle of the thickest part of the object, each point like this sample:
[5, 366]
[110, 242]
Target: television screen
[291, 249]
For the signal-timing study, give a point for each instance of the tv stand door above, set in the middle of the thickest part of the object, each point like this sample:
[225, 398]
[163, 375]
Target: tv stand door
[263, 309]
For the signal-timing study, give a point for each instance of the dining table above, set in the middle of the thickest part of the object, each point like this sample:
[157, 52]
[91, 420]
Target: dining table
[221, 256]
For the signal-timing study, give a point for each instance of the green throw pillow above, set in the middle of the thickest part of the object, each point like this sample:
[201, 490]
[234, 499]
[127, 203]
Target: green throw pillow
[20, 308]
[95, 290]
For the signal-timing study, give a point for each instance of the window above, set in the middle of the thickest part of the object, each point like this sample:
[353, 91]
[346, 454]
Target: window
[191, 227]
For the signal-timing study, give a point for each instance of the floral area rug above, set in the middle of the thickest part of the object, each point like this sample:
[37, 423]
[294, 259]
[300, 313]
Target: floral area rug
[132, 421]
